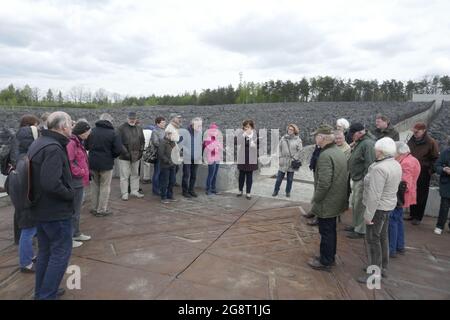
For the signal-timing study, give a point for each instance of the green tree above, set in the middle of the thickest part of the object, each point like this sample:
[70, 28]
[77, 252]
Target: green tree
[445, 84]
[304, 90]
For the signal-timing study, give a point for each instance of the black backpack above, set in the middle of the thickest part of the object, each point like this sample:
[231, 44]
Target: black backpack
[402, 188]
[5, 158]
[150, 153]
[18, 182]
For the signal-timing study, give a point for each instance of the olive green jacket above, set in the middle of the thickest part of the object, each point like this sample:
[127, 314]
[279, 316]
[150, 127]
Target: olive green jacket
[330, 183]
[362, 156]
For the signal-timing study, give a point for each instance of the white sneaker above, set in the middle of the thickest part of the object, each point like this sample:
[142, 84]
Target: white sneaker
[438, 231]
[137, 195]
[125, 197]
[76, 244]
[82, 237]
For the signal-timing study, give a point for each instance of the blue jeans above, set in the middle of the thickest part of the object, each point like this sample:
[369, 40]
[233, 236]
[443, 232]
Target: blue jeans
[26, 246]
[213, 169]
[155, 178]
[280, 177]
[396, 231]
[55, 248]
[166, 182]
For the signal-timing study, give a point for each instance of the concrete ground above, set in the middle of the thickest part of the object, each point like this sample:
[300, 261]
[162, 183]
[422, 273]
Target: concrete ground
[224, 247]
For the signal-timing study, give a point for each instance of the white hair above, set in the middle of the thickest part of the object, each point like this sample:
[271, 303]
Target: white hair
[107, 117]
[343, 123]
[197, 119]
[386, 146]
[402, 147]
[59, 120]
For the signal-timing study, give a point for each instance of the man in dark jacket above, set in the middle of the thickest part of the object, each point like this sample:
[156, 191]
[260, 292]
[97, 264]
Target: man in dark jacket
[155, 139]
[443, 170]
[24, 226]
[192, 156]
[167, 157]
[362, 156]
[385, 129]
[425, 149]
[133, 141]
[104, 146]
[52, 194]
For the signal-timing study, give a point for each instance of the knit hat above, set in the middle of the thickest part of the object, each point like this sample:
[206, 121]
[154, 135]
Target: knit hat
[213, 126]
[80, 128]
[355, 127]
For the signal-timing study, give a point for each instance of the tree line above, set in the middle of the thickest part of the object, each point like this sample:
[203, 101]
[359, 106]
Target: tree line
[305, 90]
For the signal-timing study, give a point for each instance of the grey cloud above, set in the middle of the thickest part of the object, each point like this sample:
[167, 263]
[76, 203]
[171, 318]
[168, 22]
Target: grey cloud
[283, 42]
[257, 35]
[388, 46]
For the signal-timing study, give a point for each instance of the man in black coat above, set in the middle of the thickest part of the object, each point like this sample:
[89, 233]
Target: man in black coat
[104, 145]
[52, 194]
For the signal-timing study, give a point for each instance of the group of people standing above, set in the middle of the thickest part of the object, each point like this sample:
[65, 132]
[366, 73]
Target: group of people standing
[385, 176]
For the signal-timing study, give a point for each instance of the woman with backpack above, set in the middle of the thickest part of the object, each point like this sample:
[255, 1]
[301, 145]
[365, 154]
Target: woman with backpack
[24, 226]
[289, 158]
[79, 166]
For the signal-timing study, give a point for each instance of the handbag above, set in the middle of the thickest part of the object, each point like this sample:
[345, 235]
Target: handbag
[295, 164]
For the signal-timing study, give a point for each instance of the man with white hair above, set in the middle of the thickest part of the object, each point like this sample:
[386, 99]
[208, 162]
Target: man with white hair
[380, 198]
[53, 207]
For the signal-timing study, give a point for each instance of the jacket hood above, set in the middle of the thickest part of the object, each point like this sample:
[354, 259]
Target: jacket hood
[63, 140]
[104, 124]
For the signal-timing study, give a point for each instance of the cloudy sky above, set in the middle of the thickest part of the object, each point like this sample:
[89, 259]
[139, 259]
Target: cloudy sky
[145, 47]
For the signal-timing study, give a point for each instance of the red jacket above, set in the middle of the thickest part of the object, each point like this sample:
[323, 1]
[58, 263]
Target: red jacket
[411, 171]
[78, 159]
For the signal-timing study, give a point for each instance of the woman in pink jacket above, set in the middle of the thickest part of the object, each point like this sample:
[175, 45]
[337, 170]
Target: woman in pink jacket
[79, 167]
[213, 150]
[411, 170]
